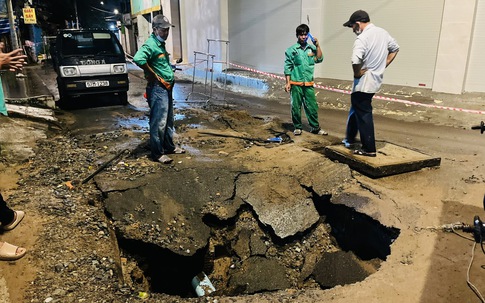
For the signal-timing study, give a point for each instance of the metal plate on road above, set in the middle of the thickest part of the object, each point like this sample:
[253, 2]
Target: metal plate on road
[96, 83]
[391, 159]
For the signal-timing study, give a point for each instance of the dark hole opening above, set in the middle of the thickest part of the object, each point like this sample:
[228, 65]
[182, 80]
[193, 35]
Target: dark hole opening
[363, 242]
[166, 271]
[357, 232]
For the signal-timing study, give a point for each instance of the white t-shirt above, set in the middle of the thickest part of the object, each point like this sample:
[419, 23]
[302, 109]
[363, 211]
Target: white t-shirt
[371, 49]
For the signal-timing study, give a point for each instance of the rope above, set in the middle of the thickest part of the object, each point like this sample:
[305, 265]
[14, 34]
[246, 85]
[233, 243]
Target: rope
[470, 284]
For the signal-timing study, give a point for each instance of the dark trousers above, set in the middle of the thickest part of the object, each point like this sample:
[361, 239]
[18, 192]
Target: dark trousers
[304, 96]
[6, 214]
[361, 120]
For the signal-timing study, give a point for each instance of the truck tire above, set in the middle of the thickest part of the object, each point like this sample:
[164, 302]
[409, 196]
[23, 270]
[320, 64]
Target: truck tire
[64, 100]
[123, 98]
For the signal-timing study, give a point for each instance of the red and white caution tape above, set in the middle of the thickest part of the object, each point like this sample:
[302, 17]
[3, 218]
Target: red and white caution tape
[337, 90]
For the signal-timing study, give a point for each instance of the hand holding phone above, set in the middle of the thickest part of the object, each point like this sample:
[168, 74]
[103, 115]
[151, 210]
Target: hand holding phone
[309, 36]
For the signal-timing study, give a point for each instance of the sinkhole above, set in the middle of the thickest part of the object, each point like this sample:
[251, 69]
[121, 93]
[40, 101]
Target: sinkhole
[244, 257]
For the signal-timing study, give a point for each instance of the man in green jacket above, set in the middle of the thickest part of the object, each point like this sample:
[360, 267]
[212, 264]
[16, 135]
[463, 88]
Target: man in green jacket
[299, 67]
[154, 59]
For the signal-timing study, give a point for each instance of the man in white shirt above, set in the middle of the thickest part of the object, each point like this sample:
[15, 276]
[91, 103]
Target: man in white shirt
[374, 49]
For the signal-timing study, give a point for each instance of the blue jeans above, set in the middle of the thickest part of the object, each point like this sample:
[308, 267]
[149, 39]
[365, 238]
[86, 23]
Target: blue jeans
[361, 120]
[161, 120]
[352, 129]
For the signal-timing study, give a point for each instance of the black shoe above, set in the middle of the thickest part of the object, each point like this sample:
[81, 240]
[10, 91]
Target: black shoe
[362, 152]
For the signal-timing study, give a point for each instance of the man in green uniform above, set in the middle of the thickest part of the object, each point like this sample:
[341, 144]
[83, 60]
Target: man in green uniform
[154, 59]
[299, 67]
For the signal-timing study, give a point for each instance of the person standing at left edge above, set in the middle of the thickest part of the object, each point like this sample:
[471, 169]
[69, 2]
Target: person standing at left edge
[154, 59]
[300, 60]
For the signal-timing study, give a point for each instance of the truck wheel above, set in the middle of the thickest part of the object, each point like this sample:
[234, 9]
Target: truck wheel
[123, 98]
[64, 100]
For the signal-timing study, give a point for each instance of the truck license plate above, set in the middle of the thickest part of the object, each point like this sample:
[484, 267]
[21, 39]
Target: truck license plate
[96, 83]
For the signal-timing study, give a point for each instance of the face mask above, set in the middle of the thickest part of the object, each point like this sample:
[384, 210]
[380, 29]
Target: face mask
[160, 39]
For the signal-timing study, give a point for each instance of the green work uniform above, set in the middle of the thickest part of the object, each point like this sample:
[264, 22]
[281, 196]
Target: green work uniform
[151, 52]
[300, 65]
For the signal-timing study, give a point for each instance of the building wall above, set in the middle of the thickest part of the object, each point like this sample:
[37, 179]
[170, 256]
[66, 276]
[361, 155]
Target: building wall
[437, 37]
[311, 14]
[201, 20]
[261, 30]
[266, 28]
[176, 34]
[144, 29]
[127, 35]
[417, 37]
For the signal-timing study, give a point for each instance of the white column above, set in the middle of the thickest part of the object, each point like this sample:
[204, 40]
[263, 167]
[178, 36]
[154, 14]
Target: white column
[454, 46]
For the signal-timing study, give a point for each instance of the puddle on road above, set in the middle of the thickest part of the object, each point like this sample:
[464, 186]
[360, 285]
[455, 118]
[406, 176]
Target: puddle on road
[243, 257]
[178, 117]
[141, 124]
[137, 124]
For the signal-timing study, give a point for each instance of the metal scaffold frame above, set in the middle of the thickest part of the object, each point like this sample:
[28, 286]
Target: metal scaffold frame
[209, 60]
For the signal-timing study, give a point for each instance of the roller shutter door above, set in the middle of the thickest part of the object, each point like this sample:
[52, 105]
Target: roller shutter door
[415, 24]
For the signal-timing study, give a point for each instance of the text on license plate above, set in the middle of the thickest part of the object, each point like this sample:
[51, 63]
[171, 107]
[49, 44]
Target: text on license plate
[97, 83]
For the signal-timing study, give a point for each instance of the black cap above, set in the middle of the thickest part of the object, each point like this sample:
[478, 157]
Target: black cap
[357, 16]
